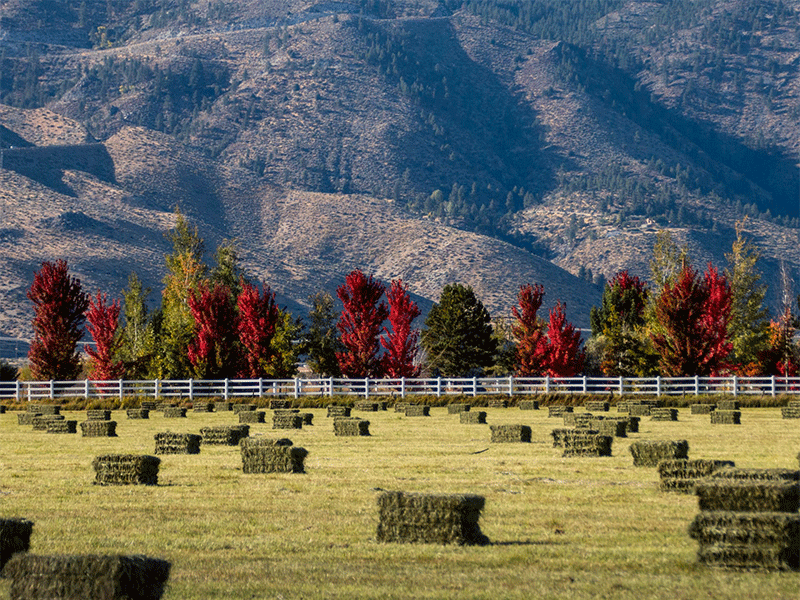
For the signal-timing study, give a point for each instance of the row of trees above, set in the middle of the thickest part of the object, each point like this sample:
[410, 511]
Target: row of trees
[213, 323]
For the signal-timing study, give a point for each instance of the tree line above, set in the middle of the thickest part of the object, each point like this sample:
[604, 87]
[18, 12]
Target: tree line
[214, 323]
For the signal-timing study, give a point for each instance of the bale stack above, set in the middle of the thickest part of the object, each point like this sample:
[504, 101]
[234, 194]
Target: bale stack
[748, 520]
[610, 427]
[790, 412]
[149, 405]
[122, 469]
[663, 414]
[113, 577]
[430, 518]
[162, 406]
[596, 406]
[758, 474]
[98, 415]
[62, 426]
[40, 422]
[26, 418]
[498, 403]
[472, 417]
[99, 429]
[261, 455]
[726, 417]
[367, 406]
[578, 419]
[350, 426]
[276, 404]
[287, 421]
[560, 436]
[682, 474]
[586, 442]
[510, 433]
[636, 409]
[558, 410]
[175, 412]
[633, 423]
[703, 409]
[203, 407]
[623, 407]
[400, 407]
[728, 405]
[45, 409]
[287, 411]
[252, 416]
[138, 413]
[224, 435]
[237, 408]
[338, 411]
[529, 405]
[454, 409]
[417, 410]
[223, 406]
[177, 443]
[15, 536]
[649, 453]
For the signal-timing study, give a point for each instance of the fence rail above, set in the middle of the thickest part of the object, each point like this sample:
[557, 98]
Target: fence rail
[189, 389]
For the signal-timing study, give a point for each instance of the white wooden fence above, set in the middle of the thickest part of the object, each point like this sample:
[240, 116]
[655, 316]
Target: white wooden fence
[189, 389]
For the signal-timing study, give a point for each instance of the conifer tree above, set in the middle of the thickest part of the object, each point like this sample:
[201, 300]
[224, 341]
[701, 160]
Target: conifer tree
[321, 339]
[362, 317]
[285, 346]
[102, 323]
[401, 343]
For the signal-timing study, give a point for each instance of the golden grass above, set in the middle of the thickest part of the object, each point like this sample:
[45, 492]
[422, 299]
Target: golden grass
[559, 527]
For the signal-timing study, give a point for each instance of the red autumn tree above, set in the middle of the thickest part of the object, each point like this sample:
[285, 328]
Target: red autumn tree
[213, 352]
[402, 342]
[716, 317]
[360, 324]
[565, 358]
[258, 316]
[59, 305]
[529, 330]
[102, 323]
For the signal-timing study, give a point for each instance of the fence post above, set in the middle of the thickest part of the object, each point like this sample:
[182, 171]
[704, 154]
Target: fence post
[260, 387]
[584, 384]
[438, 387]
[156, 389]
[296, 388]
[18, 394]
[735, 385]
[696, 385]
[547, 384]
[510, 386]
[402, 387]
[52, 390]
[191, 390]
[474, 386]
[366, 388]
[658, 386]
[330, 387]
[621, 386]
[121, 391]
[772, 385]
[225, 389]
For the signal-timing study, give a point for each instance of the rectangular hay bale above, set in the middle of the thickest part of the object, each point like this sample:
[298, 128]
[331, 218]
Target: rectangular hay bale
[138, 413]
[149, 405]
[99, 429]
[289, 421]
[262, 455]
[682, 474]
[177, 443]
[558, 410]
[367, 406]
[648, 453]
[237, 408]
[126, 469]
[726, 417]
[498, 403]
[585, 442]
[275, 404]
[510, 433]
[748, 557]
[417, 410]
[639, 410]
[224, 435]
[62, 426]
[203, 407]
[790, 412]
[252, 416]
[759, 528]
[728, 405]
[223, 406]
[175, 412]
[472, 417]
[748, 495]
[26, 418]
[663, 414]
[703, 409]
[529, 405]
[40, 422]
[45, 409]
[596, 406]
[350, 426]
[758, 474]
[338, 411]
[456, 408]
[98, 415]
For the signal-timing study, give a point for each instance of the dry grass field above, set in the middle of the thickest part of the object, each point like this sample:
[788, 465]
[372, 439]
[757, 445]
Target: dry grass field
[559, 527]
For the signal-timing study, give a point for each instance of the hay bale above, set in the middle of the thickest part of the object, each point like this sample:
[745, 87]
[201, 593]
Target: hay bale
[417, 410]
[578, 419]
[529, 405]
[45, 409]
[40, 422]
[510, 433]
[560, 436]
[162, 406]
[223, 406]
[681, 475]
[648, 453]
[308, 418]
[585, 442]
[639, 410]
[62, 426]
[663, 414]
[726, 417]
[557, 410]
[237, 408]
[367, 406]
[99, 429]
[456, 408]
[26, 418]
[138, 413]
[175, 412]
[113, 577]
[2, 409]
[383, 405]
[633, 424]
[728, 405]
[748, 495]
[262, 455]
[597, 406]
[703, 409]
[790, 412]
[338, 411]
[610, 427]
[430, 518]
[350, 426]
[122, 469]
[177, 443]
[203, 407]
[794, 404]
[252, 416]
[289, 421]
[276, 404]
[498, 403]
[749, 557]
[758, 474]
[98, 415]
[472, 417]
[400, 407]
[15, 536]
[622, 407]
[150, 405]
[224, 435]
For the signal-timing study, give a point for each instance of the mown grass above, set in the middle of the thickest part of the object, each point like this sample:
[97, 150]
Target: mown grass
[560, 528]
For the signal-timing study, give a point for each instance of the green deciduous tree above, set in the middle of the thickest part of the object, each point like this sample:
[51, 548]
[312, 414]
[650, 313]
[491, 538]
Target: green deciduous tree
[321, 338]
[138, 338]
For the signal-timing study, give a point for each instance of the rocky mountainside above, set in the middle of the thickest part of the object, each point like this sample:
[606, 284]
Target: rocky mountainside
[485, 142]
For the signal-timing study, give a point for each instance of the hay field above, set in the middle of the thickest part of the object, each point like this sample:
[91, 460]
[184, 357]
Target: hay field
[560, 527]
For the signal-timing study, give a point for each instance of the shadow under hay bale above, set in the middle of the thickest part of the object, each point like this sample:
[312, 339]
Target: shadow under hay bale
[223, 406]
[681, 475]
[98, 415]
[456, 408]
[203, 407]
[177, 443]
[703, 409]
[261, 455]
[417, 410]
[430, 518]
[276, 404]
[583, 442]
[790, 412]
[15, 536]
[224, 435]
[650, 453]
[138, 413]
[126, 469]
[252, 416]
[99, 429]
[62, 427]
[726, 417]
[748, 495]
[237, 408]
[115, 577]
[175, 412]
[597, 406]
[510, 433]
[40, 422]
[529, 405]
[557, 410]
[663, 414]
[290, 421]
[350, 426]
[472, 417]
[338, 411]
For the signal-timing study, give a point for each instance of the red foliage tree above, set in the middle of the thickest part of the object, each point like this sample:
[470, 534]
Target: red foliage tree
[401, 343]
[213, 352]
[258, 316]
[59, 305]
[360, 325]
[102, 323]
[716, 317]
[532, 344]
[565, 358]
